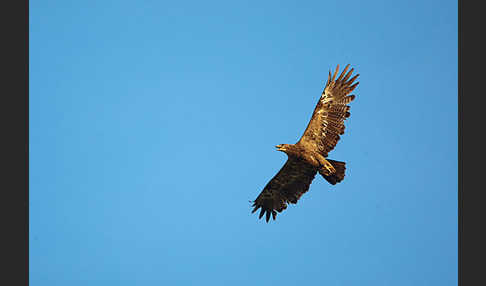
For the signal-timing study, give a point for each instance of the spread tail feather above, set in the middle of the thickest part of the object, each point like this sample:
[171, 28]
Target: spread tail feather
[336, 177]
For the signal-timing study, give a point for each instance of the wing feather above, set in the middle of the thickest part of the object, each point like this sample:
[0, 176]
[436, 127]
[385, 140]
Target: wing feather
[327, 122]
[287, 186]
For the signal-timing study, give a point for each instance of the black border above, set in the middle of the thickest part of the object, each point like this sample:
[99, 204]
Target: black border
[15, 139]
[471, 202]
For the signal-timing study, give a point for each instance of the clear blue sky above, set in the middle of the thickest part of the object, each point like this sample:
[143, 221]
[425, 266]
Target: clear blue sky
[153, 123]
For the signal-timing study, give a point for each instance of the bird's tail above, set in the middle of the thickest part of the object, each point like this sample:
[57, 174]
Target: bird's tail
[338, 176]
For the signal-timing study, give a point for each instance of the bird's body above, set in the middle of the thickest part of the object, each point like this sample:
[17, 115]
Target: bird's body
[308, 156]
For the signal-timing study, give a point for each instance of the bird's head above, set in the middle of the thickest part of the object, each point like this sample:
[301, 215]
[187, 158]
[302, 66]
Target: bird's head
[283, 147]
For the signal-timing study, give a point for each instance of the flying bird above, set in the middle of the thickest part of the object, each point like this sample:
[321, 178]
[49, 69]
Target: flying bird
[309, 155]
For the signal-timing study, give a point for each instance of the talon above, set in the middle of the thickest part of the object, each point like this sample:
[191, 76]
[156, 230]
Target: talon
[330, 168]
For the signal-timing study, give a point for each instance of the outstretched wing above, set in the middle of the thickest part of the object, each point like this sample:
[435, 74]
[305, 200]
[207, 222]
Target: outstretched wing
[290, 183]
[327, 121]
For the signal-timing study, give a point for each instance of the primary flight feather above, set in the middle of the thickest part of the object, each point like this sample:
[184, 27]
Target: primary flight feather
[308, 156]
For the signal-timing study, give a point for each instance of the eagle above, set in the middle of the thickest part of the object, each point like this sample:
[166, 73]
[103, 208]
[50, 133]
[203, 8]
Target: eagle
[309, 155]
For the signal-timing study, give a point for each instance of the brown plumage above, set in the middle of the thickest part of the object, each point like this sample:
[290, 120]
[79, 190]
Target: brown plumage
[308, 156]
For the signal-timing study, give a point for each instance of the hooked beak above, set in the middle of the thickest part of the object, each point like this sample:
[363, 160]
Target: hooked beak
[279, 147]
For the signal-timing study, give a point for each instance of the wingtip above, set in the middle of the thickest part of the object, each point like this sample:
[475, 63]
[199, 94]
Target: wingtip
[352, 79]
[328, 79]
[255, 209]
[335, 73]
[343, 73]
[345, 79]
[262, 212]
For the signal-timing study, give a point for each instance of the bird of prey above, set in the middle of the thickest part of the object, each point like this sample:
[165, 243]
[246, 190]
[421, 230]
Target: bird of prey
[308, 155]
